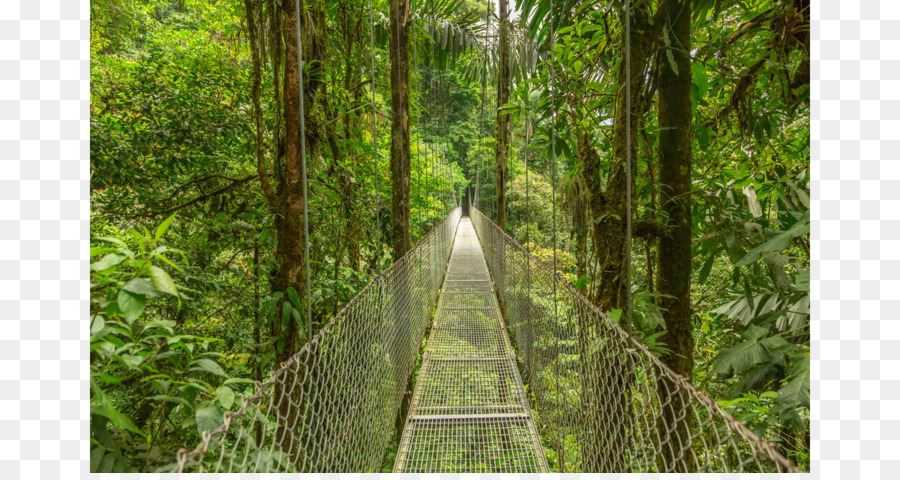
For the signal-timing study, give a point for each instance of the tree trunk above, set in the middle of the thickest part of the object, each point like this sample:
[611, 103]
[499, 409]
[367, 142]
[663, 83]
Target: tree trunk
[608, 207]
[400, 161]
[607, 377]
[400, 177]
[502, 150]
[287, 204]
[289, 224]
[675, 247]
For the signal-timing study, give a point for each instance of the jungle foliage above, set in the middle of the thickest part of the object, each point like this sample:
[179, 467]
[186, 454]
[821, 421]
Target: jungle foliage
[197, 277]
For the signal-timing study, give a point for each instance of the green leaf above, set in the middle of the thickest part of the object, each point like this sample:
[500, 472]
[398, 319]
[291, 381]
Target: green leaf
[225, 397]
[801, 281]
[614, 315]
[208, 418]
[740, 358]
[171, 399]
[162, 281]
[703, 137]
[238, 380]
[796, 391]
[581, 282]
[707, 267]
[132, 361]
[131, 305]
[109, 378]
[776, 348]
[96, 456]
[293, 296]
[106, 409]
[748, 295]
[106, 262]
[700, 77]
[114, 241]
[208, 365]
[140, 286]
[95, 251]
[778, 242]
[286, 309]
[161, 229]
[97, 324]
[671, 59]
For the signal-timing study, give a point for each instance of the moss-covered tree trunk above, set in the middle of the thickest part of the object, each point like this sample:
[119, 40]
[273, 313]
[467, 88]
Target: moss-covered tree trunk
[675, 245]
[400, 161]
[503, 135]
[607, 377]
[400, 178]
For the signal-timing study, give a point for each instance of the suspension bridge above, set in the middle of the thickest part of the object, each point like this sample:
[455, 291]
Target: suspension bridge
[519, 373]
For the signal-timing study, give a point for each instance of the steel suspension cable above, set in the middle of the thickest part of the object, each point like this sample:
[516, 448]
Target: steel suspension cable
[448, 114]
[483, 87]
[418, 156]
[428, 210]
[530, 216]
[488, 152]
[442, 142]
[375, 139]
[628, 306]
[553, 203]
[431, 94]
[303, 169]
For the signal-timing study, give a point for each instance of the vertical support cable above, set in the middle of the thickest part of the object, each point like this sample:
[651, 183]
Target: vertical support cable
[628, 307]
[431, 86]
[303, 168]
[488, 152]
[418, 119]
[375, 139]
[528, 221]
[483, 87]
[442, 146]
[562, 458]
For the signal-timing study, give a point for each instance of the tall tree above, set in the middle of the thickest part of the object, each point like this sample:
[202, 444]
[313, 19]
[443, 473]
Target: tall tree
[503, 135]
[400, 160]
[675, 118]
[609, 235]
[285, 199]
[675, 115]
[608, 205]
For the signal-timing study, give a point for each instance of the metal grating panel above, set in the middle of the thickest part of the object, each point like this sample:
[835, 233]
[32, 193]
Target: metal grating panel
[482, 444]
[467, 387]
[469, 412]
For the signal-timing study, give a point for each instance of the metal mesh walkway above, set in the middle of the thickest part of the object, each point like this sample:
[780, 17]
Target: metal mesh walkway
[602, 402]
[469, 412]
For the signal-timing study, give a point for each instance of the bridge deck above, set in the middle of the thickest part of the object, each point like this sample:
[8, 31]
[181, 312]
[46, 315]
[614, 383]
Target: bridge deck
[469, 412]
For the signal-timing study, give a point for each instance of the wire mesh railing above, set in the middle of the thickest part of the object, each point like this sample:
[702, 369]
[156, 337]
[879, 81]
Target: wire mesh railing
[601, 400]
[332, 407]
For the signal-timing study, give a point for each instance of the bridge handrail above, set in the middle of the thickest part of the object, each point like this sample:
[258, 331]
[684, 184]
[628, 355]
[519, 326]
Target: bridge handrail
[703, 438]
[311, 420]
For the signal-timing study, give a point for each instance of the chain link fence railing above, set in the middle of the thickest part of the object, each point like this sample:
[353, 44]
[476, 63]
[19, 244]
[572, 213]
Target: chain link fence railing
[332, 407]
[602, 401]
